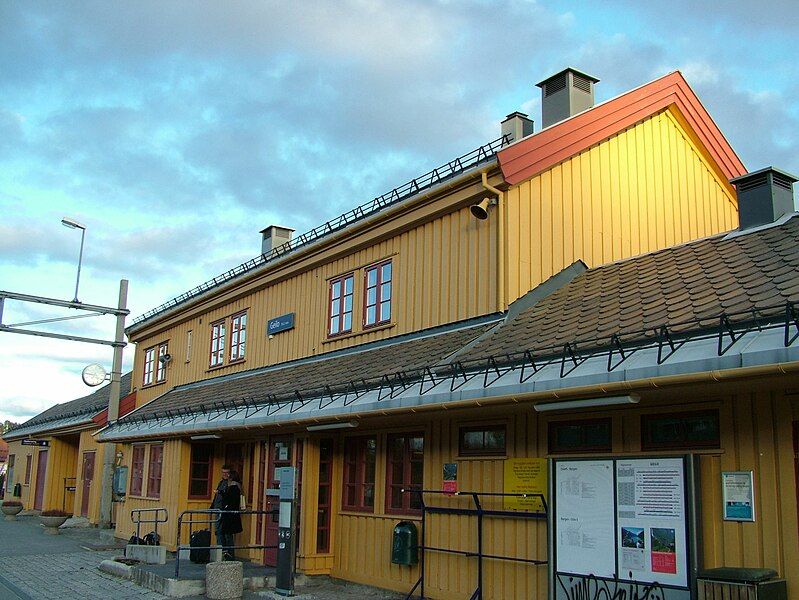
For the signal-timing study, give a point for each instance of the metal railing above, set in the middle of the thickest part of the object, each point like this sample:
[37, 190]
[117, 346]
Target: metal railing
[215, 514]
[136, 518]
[726, 328]
[471, 159]
[480, 512]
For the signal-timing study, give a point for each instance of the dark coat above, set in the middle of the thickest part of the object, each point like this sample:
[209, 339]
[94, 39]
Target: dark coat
[231, 500]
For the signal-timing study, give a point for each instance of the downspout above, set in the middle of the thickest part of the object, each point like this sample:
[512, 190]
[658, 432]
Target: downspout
[501, 227]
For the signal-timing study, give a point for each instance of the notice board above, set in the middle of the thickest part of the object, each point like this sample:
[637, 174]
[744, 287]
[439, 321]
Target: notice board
[525, 476]
[620, 526]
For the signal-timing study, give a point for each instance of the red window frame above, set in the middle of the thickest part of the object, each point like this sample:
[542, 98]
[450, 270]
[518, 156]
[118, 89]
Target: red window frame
[238, 336]
[359, 473]
[681, 421]
[581, 426]
[400, 473]
[154, 470]
[160, 372]
[137, 471]
[382, 293]
[202, 460]
[217, 354]
[28, 466]
[337, 305]
[149, 366]
[324, 500]
[483, 449]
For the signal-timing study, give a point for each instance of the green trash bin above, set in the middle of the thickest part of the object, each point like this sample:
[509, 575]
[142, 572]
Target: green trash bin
[405, 544]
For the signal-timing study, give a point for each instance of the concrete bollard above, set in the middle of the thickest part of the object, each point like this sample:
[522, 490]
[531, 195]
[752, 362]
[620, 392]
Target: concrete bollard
[224, 580]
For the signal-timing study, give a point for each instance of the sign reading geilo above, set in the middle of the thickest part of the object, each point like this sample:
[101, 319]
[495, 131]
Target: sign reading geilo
[281, 323]
[42, 443]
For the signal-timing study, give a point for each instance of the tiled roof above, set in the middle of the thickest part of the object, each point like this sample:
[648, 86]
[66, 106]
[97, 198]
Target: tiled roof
[86, 405]
[685, 288]
[369, 362]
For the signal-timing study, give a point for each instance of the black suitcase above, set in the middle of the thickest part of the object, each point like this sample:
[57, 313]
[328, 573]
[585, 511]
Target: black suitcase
[200, 538]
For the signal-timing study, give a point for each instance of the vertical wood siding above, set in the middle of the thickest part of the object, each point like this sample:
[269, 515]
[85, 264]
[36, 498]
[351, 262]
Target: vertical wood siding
[649, 187]
[443, 271]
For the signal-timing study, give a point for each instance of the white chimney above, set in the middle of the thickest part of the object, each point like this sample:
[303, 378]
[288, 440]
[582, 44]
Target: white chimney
[273, 237]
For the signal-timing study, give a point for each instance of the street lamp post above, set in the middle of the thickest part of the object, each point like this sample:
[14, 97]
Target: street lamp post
[73, 224]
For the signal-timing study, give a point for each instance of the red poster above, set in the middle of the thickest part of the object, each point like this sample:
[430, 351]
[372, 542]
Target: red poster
[664, 562]
[450, 487]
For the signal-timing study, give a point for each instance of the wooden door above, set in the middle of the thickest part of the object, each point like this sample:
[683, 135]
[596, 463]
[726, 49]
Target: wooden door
[279, 455]
[88, 477]
[41, 472]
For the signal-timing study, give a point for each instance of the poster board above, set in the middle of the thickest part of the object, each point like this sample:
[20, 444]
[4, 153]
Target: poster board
[651, 521]
[525, 476]
[584, 518]
[738, 496]
[620, 528]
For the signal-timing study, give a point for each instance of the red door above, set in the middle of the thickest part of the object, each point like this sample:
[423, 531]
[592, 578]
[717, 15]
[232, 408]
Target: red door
[41, 471]
[88, 476]
[279, 452]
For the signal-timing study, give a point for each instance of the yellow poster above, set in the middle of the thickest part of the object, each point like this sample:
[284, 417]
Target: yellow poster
[525, 476]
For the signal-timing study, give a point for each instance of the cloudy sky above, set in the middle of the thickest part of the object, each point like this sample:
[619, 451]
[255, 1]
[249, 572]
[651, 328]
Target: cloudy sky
[176, 130]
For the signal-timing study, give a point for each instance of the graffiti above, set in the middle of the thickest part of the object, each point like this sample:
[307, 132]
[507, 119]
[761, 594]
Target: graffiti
[593, 588]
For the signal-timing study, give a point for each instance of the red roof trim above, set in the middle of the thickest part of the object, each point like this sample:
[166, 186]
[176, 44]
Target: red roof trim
[555, 144]
[126, 405]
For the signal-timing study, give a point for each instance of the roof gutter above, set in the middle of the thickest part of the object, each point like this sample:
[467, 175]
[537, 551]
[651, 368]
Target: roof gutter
[603, 389]
[333, 238]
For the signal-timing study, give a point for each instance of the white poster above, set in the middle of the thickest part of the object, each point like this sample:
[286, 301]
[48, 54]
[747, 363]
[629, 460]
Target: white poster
[651, 539]
[584, 519]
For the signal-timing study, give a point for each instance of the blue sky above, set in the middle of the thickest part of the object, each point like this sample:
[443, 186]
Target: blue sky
[177, 130]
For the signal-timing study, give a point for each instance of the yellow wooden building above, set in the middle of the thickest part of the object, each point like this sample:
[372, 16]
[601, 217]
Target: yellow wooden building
[54, 459]
[422, 333]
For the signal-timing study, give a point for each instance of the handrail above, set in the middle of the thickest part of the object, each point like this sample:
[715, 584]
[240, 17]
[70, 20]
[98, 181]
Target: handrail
[136, 514]
[216, 513]
[414, 186]
[479, 512]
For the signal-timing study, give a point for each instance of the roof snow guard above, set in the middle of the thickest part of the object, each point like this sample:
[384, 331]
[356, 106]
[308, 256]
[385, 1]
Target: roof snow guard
[469, 160]
[718, 304]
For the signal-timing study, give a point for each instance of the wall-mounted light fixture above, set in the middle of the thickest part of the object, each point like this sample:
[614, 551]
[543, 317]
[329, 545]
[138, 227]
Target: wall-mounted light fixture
[207, 436]
[588, 403]
[328, 426]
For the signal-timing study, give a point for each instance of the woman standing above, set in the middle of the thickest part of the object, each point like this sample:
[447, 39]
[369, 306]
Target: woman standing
[230, 522]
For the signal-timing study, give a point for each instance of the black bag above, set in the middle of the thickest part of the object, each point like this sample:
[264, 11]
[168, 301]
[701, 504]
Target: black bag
[152, 539]
[135, 540]
[200, 538]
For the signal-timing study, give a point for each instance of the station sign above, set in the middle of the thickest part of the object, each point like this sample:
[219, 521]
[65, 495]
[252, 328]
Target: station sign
[42, 443]
[279, 324]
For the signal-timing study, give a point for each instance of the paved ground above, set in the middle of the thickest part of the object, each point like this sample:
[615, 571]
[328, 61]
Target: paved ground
[37, 566]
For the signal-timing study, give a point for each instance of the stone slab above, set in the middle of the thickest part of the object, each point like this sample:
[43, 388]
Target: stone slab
[224, 580]
[151, 555]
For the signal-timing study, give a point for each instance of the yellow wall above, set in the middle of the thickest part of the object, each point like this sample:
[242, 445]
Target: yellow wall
[649, 187]
[442, 272]
[20, 452]
[61, 464]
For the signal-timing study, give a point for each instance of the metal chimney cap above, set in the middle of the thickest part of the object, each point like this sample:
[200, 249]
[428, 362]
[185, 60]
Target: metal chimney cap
[748, 176]
[567, 70]
[516, 113]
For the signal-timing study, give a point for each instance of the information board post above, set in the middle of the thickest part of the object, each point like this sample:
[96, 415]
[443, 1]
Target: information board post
[284, 584]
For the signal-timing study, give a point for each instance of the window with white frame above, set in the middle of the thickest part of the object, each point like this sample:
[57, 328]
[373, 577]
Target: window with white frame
[377, 294]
